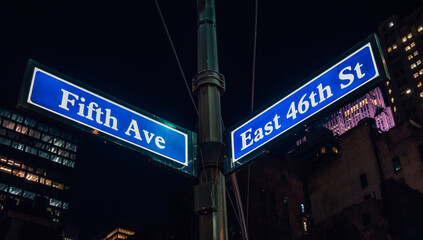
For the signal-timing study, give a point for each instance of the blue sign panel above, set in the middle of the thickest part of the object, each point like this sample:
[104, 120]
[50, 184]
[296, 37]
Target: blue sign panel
[159, 139]
[338, 81]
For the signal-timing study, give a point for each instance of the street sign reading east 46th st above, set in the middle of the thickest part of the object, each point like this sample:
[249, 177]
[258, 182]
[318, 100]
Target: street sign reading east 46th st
[354, 72]
[65, 99]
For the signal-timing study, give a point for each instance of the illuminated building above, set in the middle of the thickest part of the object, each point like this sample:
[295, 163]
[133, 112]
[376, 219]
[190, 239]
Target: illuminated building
[371, 105]
[36, 162]
[118, 233]
[401, 40]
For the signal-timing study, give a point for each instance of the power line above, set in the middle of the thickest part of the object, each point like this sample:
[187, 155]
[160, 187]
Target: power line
[176, 56]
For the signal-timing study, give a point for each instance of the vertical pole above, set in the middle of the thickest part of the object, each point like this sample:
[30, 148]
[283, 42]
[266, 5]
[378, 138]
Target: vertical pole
[209, 84]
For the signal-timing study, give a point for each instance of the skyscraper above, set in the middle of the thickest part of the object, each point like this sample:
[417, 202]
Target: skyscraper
[401, 40]
[36, 162]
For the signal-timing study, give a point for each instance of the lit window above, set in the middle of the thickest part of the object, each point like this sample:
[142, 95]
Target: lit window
[387, 84]
[47, 138]
[9, 124]
[15, 191]
[57, 185]
[31, 150]
[57, 159]
[34, 133]
[18, 145]
[407, 48]
[392, 100]
[55, 203]
[412, 66]
[29, 194]
[19, 173]
[420, 29]
[415, 75]
[419, 84]
[421, 71]
[21, 129]
[397, 164]
[31, 177]
[421, 94]
[48, 182]
[394, 46]
[404, 39]
[410, 56]
[390, 49]
[391, 24]
[59, 142]
[6, 169]
[415, 53]
[412, 44]
[395, 108]
[408, 91]
[409, 36]
[3, 187]
[419, 62]
[63, 153]
[335, 150]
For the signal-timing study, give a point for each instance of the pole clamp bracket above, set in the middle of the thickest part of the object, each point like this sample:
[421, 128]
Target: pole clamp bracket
[208, 77]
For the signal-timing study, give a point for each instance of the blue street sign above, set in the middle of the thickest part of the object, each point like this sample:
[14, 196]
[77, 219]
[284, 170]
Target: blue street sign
[357, 68]
[93, 111]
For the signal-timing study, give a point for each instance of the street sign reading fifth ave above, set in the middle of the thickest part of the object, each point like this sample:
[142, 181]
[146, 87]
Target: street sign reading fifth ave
[63, 98]
[358, 68]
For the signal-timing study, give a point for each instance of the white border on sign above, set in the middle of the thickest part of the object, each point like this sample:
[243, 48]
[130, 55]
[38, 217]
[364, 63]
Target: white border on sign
[233, 160]
[116, 104]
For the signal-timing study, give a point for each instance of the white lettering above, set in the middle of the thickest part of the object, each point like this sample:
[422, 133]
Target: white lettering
[258, 135]
[275, 120]
[65, 99]
[268, 128]
[312, 99]
[245, 138]
[160, 140]
[357, 69]
[146, 136]
[321, 93]
[348, 76]
[134, 127]
[108, 118]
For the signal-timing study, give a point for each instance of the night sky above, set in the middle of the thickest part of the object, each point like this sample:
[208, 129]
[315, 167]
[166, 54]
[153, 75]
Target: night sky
[120, 47]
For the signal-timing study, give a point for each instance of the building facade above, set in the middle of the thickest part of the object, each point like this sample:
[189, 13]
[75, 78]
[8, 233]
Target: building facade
[36, 164]
[350, 180]
[402, 45]
[371, 105]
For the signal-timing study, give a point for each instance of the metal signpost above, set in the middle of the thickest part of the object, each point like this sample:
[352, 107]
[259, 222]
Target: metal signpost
[357, 69]
[67, 100]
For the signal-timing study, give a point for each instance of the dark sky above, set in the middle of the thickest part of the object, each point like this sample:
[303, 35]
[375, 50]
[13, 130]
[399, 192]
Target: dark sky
[120, 47]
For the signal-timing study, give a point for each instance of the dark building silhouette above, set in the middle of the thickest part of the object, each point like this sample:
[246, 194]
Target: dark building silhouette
[36, 165]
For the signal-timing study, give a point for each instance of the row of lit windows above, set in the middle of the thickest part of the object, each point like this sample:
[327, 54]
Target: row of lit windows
[32, 123]
[30, 195]
[405, 38]
[394, 47]
[417, 74]
[27, 172]
[411, 56]
[415, 64]
[57, 142]
[37, 152]
[409, 47]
